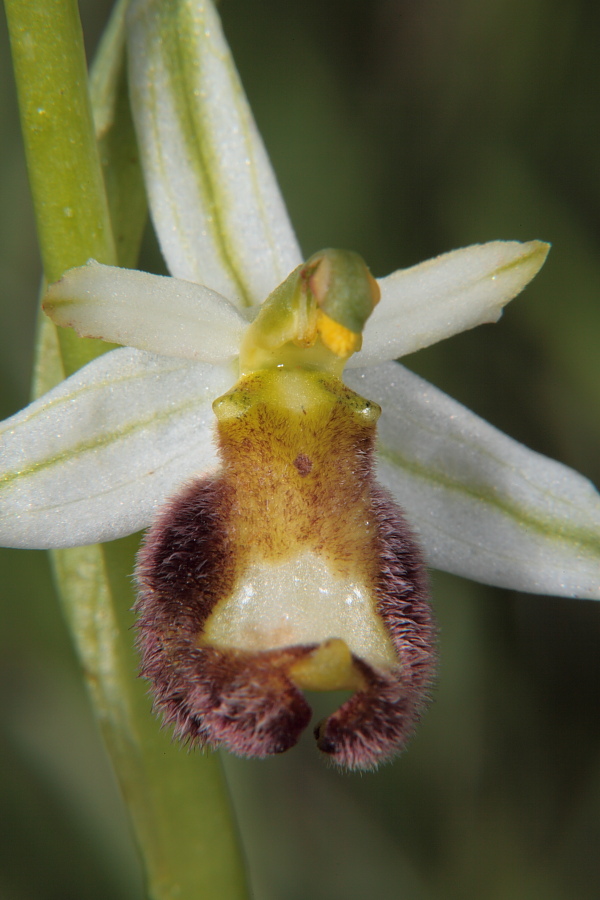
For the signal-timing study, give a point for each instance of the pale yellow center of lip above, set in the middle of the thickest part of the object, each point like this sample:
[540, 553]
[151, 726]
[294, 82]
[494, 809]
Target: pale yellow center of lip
[300, 600]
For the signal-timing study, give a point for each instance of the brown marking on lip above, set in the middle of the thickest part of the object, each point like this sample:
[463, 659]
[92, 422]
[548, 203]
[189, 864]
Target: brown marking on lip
[186, 563]
[303, 463]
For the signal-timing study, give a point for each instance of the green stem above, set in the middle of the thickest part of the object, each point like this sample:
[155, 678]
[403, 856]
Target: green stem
[177, 800]
[70, 202]
[64, 171]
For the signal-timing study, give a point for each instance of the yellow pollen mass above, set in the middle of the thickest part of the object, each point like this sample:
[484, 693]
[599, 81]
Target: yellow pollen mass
[336, 338]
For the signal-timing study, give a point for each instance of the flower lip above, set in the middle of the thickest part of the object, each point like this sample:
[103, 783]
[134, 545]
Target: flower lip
[273, 576]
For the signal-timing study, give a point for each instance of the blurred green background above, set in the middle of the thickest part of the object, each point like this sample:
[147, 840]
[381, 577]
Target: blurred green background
[400, 129]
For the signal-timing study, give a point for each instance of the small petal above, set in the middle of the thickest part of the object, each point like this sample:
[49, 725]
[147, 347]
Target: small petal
[446, 295]
[486, 507]
[96, 457]
[150, 312]
[217, 209]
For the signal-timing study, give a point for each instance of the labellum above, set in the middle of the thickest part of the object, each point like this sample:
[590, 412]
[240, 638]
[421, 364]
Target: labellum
[289, 569]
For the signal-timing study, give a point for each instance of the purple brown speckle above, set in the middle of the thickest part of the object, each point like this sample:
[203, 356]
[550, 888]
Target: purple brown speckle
[303, 463]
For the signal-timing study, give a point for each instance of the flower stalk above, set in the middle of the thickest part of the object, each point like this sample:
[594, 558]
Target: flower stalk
[178, 802]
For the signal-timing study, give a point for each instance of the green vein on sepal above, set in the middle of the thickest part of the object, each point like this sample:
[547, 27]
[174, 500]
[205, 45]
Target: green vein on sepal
[102, 440]
[193, 130]
[544, 526]
[99, 386]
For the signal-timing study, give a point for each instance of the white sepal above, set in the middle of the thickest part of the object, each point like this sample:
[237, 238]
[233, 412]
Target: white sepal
[484, 506]
[95, 458]
[149, 312]
[214, 198]
[446, 295]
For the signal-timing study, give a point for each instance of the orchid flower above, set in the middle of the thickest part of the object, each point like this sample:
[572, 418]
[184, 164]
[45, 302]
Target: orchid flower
[245, 327]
